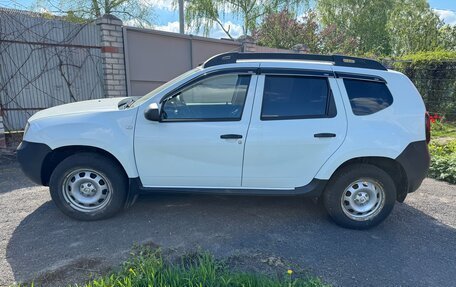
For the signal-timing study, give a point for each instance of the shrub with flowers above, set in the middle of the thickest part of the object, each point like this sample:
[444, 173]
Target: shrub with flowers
[434, 118]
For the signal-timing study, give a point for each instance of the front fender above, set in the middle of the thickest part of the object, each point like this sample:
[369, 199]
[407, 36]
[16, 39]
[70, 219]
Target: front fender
[111, 131]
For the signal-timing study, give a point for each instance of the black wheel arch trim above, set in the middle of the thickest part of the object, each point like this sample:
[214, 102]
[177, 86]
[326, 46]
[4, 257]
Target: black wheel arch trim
[38, 160]
[31, 157]
[415, 160]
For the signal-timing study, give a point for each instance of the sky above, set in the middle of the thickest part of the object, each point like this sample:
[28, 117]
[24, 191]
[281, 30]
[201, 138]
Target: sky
[166, 17]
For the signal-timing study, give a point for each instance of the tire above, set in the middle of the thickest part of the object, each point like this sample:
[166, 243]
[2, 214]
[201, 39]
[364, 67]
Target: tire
[88, 186]
[360, 196]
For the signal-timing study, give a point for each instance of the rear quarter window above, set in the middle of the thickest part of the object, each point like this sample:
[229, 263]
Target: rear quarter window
[367, 97]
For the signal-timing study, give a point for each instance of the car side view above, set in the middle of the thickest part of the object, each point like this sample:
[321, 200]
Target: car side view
[341, 128]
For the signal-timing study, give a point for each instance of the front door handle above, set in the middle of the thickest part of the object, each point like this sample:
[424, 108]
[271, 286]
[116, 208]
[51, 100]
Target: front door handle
[231, 136]
[325, 135]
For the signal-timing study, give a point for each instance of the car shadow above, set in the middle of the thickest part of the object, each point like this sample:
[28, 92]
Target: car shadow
[409, 249]
[12, 177]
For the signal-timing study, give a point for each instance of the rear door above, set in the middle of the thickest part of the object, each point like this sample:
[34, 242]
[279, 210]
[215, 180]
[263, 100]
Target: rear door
[298, 121]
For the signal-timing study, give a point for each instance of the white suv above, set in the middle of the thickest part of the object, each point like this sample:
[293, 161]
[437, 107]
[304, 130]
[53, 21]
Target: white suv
[343, 128]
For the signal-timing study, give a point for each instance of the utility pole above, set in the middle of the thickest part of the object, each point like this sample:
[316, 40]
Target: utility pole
[181, 17]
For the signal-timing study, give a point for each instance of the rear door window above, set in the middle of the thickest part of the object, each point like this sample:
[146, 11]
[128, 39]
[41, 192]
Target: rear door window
[296, 97]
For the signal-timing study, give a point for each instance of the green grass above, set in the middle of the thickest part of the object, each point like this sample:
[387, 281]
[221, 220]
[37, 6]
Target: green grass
[440, 129]
[198, 270]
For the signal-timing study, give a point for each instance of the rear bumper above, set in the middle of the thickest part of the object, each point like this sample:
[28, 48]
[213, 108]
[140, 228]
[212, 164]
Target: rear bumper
[415, 160]
[31, 157]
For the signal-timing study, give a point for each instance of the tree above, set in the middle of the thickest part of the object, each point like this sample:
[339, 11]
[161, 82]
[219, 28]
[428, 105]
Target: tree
[334, 41]
[388, 27]
[447, 35]
[364, 20]
[203, 14]
[282, 30]
[413, 27]
[135, 11]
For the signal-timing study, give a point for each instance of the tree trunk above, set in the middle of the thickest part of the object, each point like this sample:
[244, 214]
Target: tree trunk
[96, 8]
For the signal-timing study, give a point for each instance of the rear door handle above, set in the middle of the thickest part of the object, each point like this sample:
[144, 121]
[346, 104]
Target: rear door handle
[231, 136]
[325, 135]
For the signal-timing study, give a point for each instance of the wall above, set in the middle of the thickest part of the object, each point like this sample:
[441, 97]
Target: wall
[251, 47]
[155, 57]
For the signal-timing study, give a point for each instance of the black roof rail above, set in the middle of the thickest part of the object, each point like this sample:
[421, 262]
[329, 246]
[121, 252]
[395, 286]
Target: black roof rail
[338, 60]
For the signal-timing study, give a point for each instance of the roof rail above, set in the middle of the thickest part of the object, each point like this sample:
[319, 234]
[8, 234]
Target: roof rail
[338, 60]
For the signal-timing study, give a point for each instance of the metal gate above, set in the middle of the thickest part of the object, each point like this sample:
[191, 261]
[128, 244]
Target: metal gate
[44, 63]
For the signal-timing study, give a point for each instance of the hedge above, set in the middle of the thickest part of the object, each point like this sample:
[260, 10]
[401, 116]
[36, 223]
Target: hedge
[434, 75]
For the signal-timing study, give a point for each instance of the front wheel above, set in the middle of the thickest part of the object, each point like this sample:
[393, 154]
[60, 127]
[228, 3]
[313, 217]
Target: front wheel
[88, 186]
[360, 196]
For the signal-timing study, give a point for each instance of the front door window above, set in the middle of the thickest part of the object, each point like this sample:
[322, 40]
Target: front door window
[213, 99]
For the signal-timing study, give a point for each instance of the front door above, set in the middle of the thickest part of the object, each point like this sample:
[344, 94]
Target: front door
[200, 139]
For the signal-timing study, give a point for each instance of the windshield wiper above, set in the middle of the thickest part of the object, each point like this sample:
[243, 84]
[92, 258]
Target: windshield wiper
[126, 103]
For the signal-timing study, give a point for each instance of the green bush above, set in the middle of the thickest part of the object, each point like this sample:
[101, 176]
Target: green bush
[443, 161]
[430, 57]
[198, 270]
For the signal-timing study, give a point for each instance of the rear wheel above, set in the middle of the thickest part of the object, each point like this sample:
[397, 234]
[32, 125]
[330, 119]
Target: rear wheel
[88, 186]
[360, 196]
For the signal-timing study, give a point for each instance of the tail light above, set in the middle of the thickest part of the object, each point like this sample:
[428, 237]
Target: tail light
[428, 127]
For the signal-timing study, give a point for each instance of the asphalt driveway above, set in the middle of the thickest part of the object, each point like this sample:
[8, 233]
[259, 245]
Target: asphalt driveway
[416, 246]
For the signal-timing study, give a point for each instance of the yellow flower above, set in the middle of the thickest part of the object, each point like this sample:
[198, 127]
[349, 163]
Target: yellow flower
[290, 271]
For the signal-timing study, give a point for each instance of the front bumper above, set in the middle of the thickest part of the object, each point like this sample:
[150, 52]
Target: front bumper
[415, 160]
[31, 157]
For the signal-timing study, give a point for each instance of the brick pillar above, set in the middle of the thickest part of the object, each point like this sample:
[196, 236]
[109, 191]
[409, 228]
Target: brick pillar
[2, 131]
[112, 53]
[249, 47]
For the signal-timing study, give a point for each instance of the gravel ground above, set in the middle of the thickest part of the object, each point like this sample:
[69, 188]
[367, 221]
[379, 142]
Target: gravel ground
[415, 246]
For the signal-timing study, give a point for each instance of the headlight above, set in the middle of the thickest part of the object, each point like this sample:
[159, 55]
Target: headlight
[26, 128]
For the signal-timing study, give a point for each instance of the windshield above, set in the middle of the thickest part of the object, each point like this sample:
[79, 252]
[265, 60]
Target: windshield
[164, 86]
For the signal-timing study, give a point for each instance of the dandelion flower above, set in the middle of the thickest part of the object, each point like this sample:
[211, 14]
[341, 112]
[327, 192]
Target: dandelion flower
[290, 271]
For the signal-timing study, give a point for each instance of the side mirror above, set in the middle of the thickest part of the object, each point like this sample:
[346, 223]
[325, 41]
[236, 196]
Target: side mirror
[152, 113]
